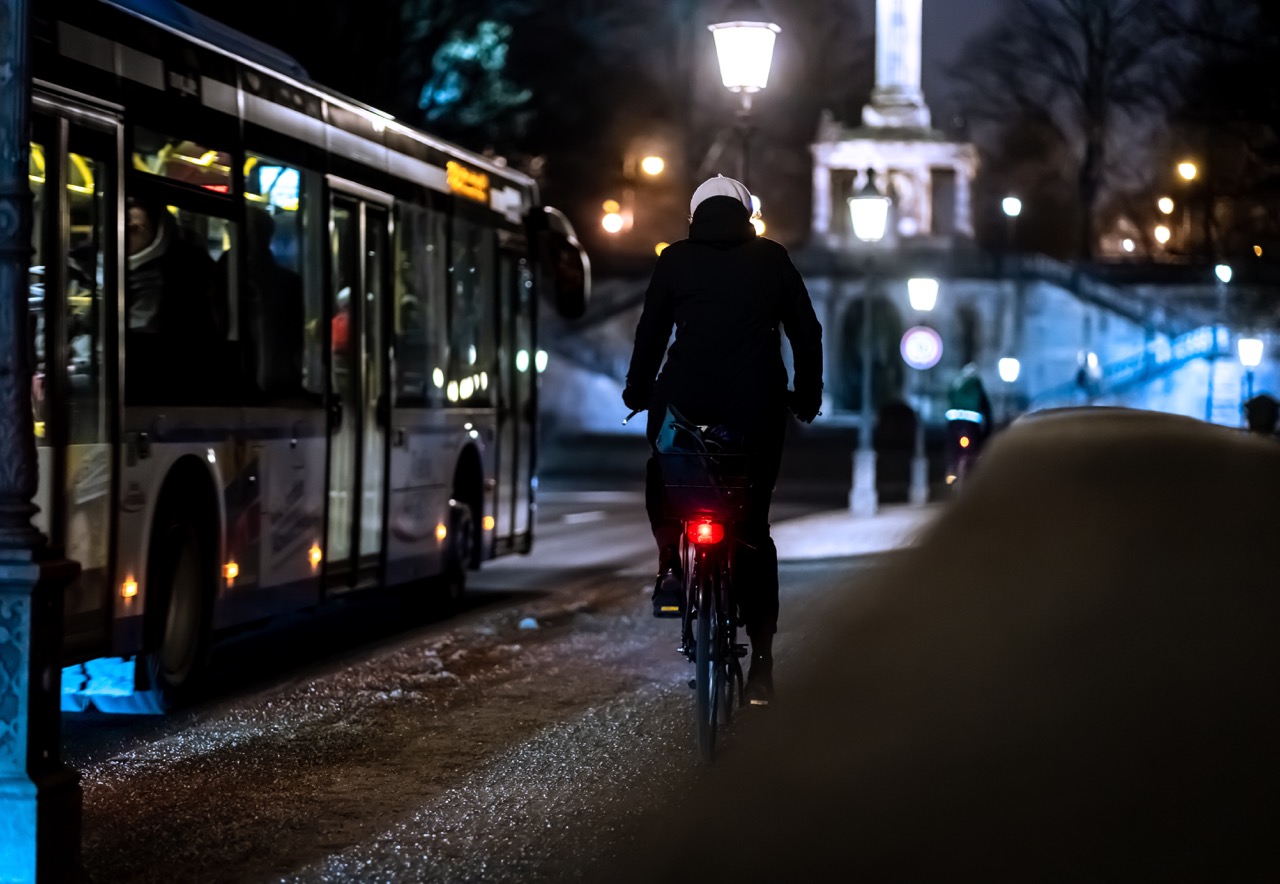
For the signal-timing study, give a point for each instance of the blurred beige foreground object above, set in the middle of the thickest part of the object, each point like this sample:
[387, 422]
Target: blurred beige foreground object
[1075, 674]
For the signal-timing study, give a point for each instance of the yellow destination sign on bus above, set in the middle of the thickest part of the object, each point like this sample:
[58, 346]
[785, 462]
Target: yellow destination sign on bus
[471, 184]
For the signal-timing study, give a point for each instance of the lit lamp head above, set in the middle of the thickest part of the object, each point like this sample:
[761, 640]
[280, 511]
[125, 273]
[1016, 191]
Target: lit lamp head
[1224, 273]
[1012, 206]
[1188, 171]
[923, 293]
[869, 211]
[1250, 350]
[744, 46]
[1009, 369]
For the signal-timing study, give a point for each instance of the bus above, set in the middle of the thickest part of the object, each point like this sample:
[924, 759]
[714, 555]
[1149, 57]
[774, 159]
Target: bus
[285, 347]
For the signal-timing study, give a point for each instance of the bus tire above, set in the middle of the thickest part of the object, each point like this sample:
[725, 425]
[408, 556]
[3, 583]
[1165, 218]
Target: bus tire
[169, 671]
[461, 552]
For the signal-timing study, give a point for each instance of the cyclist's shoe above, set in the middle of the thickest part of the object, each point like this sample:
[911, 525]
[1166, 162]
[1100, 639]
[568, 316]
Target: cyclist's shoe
[758, 690]
[668, 589]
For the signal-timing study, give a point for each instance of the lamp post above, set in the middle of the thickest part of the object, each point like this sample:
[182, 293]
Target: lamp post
[923, 294]
[744, 47]
[869, 213]
[1250, 350]
[1224, 273]
[39, 795]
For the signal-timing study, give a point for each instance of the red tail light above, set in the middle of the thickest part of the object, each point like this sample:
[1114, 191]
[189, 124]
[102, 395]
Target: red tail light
[964, 441]
[705, 532]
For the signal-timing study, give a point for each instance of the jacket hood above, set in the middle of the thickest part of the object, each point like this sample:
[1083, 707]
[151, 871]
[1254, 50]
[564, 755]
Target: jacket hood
[721, 220]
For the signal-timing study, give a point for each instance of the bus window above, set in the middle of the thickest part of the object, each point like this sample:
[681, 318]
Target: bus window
[279, 304]
[178, 312]
[181, 160]
[37, 175]
[419, 289]
[85, 325]
[471, 294]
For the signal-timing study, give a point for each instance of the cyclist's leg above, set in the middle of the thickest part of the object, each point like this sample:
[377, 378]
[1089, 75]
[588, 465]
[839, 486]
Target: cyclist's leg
[668, 591]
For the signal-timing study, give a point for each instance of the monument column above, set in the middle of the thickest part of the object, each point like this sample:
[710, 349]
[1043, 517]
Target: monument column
[898, 100]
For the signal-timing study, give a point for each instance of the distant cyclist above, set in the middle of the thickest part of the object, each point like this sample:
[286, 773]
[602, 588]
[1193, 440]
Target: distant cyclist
[969, 420]
[728, 293]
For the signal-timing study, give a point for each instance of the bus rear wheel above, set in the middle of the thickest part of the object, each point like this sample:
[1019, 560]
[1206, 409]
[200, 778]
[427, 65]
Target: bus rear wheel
[461, 552]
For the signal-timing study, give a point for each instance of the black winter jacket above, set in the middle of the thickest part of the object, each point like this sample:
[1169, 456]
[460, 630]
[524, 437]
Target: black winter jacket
[727, 292]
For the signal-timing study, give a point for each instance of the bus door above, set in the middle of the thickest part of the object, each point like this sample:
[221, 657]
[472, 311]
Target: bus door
[517, 408]
[358, 387]
[74, 177]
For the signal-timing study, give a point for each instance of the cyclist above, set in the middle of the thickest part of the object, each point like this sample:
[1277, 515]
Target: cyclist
[727, 292]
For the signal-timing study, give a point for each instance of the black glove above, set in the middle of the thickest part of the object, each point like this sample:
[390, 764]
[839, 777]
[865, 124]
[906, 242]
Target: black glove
[805, 404]
[636, 399]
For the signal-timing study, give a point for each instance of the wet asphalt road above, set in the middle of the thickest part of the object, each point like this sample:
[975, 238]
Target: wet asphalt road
[383, 742]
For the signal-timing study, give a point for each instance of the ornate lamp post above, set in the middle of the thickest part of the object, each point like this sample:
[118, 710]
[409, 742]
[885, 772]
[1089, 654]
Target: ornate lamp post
[923, 293]
[744, 46]
[39, 796]
[869, 212]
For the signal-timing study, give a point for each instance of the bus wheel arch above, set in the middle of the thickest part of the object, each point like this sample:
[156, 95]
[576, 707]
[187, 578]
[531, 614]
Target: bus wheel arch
[181, 584]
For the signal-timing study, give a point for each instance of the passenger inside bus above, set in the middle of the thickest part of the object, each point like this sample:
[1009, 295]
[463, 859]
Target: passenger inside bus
[174, 325]
[276, 310]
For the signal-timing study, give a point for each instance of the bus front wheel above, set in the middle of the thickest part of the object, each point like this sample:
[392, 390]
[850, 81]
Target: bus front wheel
[178, 625]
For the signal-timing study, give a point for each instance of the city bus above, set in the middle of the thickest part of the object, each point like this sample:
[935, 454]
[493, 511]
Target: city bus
[284, 346]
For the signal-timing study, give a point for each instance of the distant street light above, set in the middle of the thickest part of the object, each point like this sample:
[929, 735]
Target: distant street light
[744, 47]
[1012, 206]
[652, 166]
[1009, 369]
[1165, 205]
[1162, 234]
[923, 293]
[869, 212]
[1128, 245]
[1224, 272]
[612, 222]
[1250, 350]
[1188, 171]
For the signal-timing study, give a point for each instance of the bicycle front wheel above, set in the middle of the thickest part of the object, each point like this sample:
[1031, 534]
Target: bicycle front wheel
[707, 661]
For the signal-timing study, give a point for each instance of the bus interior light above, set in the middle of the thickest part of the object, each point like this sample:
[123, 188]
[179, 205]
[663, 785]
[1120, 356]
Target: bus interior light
[230, 571]
[315, 555]
[129, 588]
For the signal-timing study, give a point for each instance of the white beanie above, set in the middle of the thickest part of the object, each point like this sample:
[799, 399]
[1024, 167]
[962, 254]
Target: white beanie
[720, 186]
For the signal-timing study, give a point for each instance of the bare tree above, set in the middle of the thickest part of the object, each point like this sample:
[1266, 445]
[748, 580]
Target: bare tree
[1092, 73]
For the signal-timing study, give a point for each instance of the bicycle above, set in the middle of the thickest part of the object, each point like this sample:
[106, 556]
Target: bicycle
[707, 491]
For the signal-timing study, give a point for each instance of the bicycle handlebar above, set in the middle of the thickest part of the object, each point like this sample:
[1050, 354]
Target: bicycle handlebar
[626, 420]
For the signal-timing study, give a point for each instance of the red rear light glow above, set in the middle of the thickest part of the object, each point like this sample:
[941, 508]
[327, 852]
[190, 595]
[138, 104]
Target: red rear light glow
[705, 532]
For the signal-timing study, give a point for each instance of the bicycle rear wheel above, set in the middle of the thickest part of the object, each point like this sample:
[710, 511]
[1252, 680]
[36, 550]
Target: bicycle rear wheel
[709, 673]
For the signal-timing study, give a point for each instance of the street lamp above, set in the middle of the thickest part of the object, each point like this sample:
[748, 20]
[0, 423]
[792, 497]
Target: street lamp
[923, 294]
[744, 47]
[1009, 369]
[652, 165]
[1224, 273]
[869, 213]
[1188, 170]
[1162, 234]
[1250, 350]
[1165, 204]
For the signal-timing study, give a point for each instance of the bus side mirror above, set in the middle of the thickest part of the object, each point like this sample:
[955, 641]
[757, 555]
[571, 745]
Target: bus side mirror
[565, 264]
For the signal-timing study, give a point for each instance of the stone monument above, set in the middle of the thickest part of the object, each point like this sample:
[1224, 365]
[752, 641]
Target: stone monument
[928, 176]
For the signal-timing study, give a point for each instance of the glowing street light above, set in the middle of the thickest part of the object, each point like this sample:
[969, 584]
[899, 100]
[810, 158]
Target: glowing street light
[1162, 234]
[1165, 205]
[744, 47]
[1128, 245]
[1188, 170]
[1250, 350]
[652, 165]
[1012, 206]
[923, 293]
[869, 212]
[612, 222]
[1009, 369]
[1224, 273]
